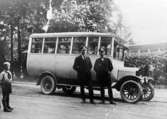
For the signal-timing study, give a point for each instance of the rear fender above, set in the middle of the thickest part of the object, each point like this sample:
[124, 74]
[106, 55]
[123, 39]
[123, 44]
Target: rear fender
[44, 74]
[124, 79]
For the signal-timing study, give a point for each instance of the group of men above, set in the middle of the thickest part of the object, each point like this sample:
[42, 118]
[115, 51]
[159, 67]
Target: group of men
[103, 67]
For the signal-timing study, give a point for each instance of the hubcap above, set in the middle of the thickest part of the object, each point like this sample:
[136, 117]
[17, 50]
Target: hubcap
[146, 92]
[130, 91]
[47, 84]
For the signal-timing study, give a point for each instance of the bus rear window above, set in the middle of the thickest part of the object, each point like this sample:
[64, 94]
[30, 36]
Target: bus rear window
[36, 46]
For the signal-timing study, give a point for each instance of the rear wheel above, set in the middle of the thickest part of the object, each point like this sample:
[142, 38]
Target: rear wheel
[48, 84]
[148, 92]
[131, 91]
[69, 89]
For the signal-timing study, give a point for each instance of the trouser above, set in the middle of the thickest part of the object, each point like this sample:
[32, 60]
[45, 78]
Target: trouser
[0, 105]
[110, 93]
[5, 100]
[83, 96]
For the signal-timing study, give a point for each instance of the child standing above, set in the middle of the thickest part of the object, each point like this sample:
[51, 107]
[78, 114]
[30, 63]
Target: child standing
[6, 79]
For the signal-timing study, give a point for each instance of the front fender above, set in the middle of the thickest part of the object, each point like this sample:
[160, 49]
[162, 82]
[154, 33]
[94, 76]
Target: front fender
[44, 74]
[124, 79]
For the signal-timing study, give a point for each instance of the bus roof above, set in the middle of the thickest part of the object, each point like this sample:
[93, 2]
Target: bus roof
[70, 34]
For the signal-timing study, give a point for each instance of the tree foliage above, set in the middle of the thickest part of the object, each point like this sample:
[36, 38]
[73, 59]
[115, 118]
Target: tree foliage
[76, 15]
[68, 15]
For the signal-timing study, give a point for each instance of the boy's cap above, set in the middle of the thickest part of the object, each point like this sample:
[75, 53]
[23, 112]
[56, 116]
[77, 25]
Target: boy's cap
[6, 63]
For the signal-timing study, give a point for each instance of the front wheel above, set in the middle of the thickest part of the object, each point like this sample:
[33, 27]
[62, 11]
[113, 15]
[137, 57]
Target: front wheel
[131, 91]
[47, 84]
[148, 92]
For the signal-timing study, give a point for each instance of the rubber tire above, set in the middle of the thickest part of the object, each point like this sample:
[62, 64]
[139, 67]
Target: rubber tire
[69, 90]
[43, 84]
[140, 91]
[149, 85]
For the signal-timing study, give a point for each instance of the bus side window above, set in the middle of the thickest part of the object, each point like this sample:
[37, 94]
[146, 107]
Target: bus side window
[78, 42]
[93, 45]
[36, 46]
[120, 53]
[106, 44]
[49, 45]
[64, 45]
[125, 53]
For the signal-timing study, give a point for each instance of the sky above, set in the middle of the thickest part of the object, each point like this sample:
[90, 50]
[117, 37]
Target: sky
[147, 19]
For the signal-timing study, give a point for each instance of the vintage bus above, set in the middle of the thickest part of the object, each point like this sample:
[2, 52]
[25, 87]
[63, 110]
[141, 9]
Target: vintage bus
[51, 56]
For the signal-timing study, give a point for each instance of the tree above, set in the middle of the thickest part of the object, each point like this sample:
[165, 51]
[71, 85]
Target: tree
[76, 15]
[68, 15]
[26, 15]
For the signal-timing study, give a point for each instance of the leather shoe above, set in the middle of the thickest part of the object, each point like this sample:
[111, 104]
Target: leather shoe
[83, 101]
[7, 110]
[11, 108]
[103, 102]
[111, 102]
[92, 102]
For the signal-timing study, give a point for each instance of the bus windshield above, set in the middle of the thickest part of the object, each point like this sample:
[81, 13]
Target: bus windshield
[119, 51]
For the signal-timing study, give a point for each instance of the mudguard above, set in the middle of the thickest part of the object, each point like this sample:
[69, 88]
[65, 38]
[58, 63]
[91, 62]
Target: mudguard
[43, 74]
[118, 84]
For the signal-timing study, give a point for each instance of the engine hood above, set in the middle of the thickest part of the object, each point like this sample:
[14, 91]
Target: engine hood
[127, 71]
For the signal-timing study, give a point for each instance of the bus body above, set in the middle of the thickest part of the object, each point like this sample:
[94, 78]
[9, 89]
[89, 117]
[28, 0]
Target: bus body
[61, 64]
[52, 55]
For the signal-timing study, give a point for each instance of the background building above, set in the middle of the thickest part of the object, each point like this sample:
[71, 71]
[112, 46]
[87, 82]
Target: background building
[159, 49]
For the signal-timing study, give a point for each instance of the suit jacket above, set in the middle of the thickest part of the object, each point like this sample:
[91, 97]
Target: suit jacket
[83, 67]
[103, 69]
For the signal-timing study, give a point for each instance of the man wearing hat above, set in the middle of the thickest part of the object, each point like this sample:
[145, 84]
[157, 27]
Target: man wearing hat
[103, 67]
[83, 65]
[5, 79]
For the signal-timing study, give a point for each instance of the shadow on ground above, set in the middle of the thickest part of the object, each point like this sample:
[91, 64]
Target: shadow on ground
[77, 95]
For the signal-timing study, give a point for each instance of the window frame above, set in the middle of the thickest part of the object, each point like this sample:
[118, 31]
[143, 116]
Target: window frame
[115, 52]
[57, 45]
[98, 44]
[31, 44]
[118, 47]
[72, 43]
[55, 40]
[87, 37]
[111, 43]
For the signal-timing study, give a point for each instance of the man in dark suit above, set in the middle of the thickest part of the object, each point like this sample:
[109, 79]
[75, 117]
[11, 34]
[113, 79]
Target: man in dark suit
[83, 65]
[103, 66]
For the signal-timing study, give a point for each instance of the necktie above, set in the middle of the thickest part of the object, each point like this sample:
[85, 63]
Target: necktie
[84, 57]
[9, 75]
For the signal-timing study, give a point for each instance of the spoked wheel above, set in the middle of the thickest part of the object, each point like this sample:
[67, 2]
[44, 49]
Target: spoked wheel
[48, 84]
[131, 91]
[69, 89]
[148, 92]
